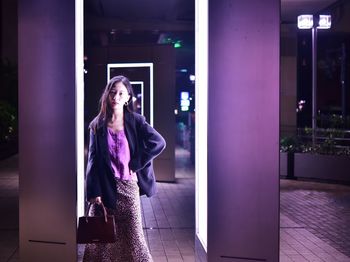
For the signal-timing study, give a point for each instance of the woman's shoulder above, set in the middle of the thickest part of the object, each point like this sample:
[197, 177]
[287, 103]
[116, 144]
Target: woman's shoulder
[96, 123]
[137, 117]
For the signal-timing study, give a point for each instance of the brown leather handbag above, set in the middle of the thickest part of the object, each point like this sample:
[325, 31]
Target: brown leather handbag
[96, 229]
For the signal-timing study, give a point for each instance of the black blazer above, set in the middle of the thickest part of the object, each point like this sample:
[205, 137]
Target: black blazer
[145, 144]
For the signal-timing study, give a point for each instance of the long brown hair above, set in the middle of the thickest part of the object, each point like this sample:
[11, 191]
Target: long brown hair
[105, 111]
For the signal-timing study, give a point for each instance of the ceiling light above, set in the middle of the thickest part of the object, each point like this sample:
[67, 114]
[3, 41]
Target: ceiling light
[324, 22]
[305, 21]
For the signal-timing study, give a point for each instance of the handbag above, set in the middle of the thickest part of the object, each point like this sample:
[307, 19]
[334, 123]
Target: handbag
[96, 229]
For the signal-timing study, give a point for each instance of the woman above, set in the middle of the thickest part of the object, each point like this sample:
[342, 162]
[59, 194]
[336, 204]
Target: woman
[119, 170]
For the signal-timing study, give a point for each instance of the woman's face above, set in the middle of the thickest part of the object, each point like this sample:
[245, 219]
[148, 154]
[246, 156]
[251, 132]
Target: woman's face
[118, 96]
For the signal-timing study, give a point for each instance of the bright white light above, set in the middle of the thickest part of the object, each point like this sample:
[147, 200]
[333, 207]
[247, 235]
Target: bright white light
[185, 95]
[176, 111]
[79, 104]
[324, 22]
[142, 94]
[305, 21]
[185, 103]
[201, 97]
[184, 108]
[192, 77]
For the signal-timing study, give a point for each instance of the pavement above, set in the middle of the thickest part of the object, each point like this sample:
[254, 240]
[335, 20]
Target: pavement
[314, 224]
[315, 221]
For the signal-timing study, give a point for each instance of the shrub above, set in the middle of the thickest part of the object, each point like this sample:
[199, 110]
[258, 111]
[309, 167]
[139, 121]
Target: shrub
[8, 122]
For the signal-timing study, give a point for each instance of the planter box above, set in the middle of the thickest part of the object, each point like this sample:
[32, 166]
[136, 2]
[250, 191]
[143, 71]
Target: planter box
[283, 164]
[287, 165]
[327, 167]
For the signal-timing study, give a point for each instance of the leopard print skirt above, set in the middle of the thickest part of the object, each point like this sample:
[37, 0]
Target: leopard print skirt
[131, 245]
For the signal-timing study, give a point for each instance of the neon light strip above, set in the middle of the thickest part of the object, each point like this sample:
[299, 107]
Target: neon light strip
[150, 65]
[140, 83]
[79, 104]
[201, 93]
[151, 93]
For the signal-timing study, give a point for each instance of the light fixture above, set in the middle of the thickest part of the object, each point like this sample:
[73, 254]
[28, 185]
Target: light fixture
[184, 95]
[178, 44]
[185, 103]
[324, 22]
[305, 21]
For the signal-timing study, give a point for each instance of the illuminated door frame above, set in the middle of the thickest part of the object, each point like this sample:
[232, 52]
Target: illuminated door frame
[79, 104]
[201, 95]
[150, 65]
[142, 92]
[201, 124]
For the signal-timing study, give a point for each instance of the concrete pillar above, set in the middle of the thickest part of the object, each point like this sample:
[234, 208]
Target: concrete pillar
[47, 150]
[243, 130]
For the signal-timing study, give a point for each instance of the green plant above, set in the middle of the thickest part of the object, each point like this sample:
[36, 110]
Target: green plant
[330, 146]
[289, 144]
[8, 122]
[336, 121]
[330, 141]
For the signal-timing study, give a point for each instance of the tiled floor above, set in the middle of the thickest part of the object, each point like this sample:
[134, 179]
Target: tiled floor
[315, 218]
[9, 209]
[315, 221]
[299, 244]
[322, 209]
[169, 217]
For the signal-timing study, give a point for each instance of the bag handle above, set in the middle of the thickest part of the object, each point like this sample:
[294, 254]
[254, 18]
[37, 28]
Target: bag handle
[104, 211]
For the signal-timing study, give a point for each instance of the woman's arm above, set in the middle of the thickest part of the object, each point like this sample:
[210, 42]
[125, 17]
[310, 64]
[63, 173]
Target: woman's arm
[152, 145]
[93, 187]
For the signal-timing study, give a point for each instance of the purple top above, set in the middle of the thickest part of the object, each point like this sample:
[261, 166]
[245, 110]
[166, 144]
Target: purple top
[119, 153]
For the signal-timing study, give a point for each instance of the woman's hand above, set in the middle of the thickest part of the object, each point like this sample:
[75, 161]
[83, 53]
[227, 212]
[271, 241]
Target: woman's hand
[96, 200]
[133, 175]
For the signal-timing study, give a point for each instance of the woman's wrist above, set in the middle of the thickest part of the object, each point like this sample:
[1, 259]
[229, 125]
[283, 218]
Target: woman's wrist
[96, 200]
